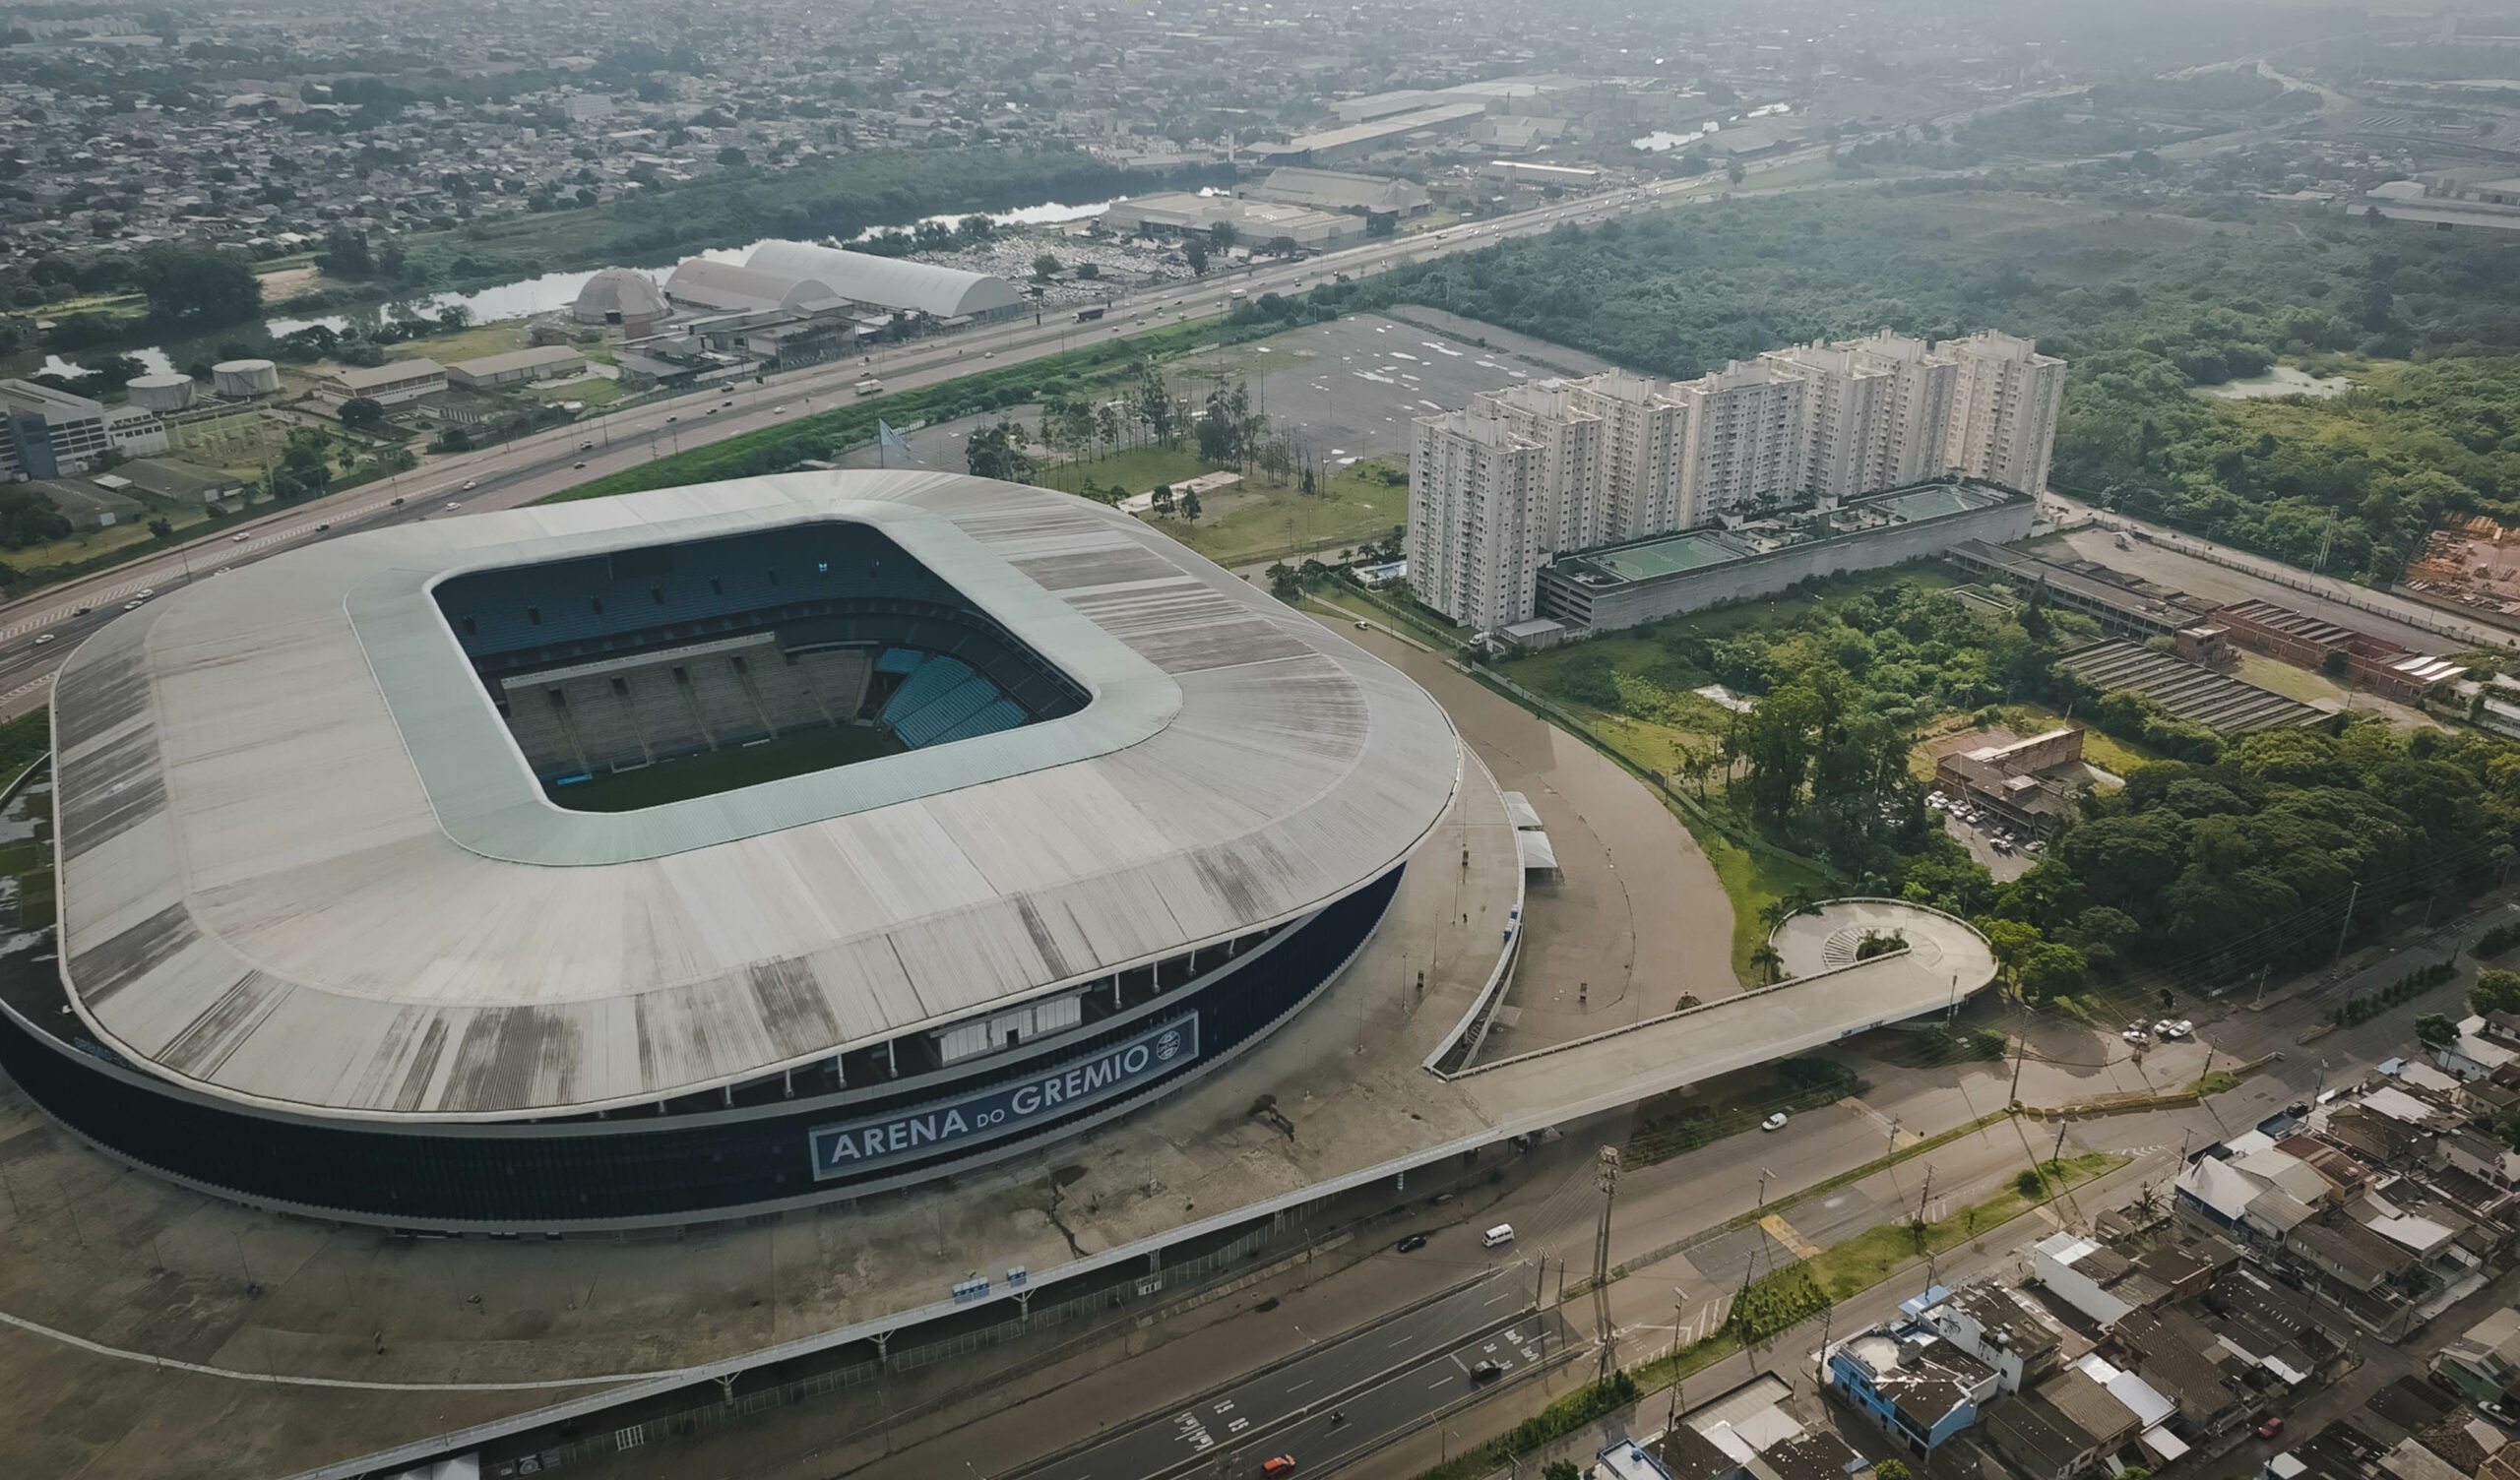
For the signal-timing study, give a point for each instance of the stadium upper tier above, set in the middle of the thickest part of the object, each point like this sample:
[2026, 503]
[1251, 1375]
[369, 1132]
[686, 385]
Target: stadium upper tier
[304, 864]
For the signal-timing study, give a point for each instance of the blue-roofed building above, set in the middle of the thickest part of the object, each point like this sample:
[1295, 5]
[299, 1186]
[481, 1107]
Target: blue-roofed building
[1905, 1375]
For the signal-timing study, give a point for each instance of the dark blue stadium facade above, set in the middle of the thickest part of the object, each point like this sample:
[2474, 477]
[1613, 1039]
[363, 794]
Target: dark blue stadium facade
[759, 1147]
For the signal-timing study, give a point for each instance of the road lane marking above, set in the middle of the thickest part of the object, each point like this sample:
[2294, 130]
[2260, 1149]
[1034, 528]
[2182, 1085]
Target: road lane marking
[1784, 1233]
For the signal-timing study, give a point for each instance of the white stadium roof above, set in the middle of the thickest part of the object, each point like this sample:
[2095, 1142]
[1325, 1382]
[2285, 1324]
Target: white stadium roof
[304, 866]
[891, 281]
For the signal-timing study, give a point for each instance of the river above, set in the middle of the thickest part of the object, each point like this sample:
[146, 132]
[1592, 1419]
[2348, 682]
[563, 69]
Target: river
[520, 300]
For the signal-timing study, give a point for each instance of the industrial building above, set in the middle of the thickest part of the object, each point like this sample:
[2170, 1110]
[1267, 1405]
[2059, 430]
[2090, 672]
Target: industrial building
[957, 818]
[1617, 458]
[1384, 201]
[1627, 585]
[1254, 223]
[516, 367]
[48, 433]
[2185, 690]
[804, 277]
[2122, 605]
[623, 298]
[2358, 659]
[2029, 783]
[392, 384]
[1361, 141]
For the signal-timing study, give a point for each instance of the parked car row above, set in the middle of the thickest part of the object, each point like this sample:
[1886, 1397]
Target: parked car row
[2002, 836]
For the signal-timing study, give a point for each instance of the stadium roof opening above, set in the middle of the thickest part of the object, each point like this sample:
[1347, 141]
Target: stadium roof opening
[649, 674]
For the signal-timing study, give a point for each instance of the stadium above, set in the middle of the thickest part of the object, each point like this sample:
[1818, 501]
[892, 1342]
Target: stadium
[697, 854]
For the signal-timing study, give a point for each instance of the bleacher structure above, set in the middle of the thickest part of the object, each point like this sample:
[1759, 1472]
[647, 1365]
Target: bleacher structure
[610, 663]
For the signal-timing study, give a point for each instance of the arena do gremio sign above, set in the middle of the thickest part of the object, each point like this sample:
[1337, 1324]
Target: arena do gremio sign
[855, 1146]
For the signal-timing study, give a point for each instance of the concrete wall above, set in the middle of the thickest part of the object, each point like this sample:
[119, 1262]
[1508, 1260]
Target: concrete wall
[1765, 574]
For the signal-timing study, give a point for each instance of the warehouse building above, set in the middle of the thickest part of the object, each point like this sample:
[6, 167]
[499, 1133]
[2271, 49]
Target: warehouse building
[1379, 199]
[1255, 223]
[516, 367]
[392, 384]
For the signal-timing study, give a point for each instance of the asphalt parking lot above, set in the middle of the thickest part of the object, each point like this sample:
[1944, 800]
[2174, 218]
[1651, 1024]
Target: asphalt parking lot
[1353, 385]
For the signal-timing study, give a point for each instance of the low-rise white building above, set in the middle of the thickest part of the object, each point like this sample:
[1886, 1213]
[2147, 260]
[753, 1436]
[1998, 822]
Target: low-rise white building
[393, 383]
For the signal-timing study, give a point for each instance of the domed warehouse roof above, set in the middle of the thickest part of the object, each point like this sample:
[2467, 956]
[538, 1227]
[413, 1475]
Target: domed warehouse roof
[625, 291]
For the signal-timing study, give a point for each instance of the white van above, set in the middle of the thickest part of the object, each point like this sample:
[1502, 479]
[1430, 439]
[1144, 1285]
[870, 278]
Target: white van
[1498, 1236]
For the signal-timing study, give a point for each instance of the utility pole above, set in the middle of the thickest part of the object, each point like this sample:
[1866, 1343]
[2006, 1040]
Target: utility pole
[1606, 1167]
[2020, 1045]
[2345, 924]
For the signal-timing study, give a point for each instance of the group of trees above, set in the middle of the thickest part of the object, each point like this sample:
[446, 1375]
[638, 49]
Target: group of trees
[2237, 856]
[2146, 306]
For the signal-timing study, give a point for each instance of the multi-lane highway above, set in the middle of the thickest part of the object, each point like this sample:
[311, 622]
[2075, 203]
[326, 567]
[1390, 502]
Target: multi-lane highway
[37, 632]
[1342, 1397]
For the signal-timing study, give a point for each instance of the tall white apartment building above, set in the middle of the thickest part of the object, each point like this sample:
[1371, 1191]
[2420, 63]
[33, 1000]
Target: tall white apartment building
[1643, 431]
[1473, 525]
[1915, 408]
[1566, 509]
[1531, 471]
[2002, 425]
[1748, 440]
[1843, 415]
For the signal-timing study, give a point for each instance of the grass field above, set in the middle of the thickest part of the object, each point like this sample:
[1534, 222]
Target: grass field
[1264, 521]
[712, 771]
[1136, 470]
[464, 343]
[1869, 1258]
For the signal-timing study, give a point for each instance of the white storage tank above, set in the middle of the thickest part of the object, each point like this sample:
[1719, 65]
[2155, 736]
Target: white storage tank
[161, 393]
[242, 379]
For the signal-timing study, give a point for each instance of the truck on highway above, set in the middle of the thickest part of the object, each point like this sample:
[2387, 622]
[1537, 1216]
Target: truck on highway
[1088, 315]
[870, 386]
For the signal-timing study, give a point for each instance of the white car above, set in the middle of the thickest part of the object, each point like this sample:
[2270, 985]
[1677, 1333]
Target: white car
[147, 592]
[131, 606]
[777, 410]
[235, 539]
[46, 638]
[451, 508]
[1774, 1122]
[468, 485]
[2136, 1036]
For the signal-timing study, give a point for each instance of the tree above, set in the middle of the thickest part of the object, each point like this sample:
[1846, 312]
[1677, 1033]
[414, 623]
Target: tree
[1285, 583]
[1224, 235]
[1089, 271]
[1767, 963]
[346, 254]
[2497, 991]
[732, 158]
[28, 517]
[2436, 1031]
[162, 527]
[1889, 1469]
[998, 452]
[1733, 172]
[361, 413]
[197, 287]
[1560, 1469]
[1195, 253]
[1046, 266]
[1161, 498]
[1190, 504]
